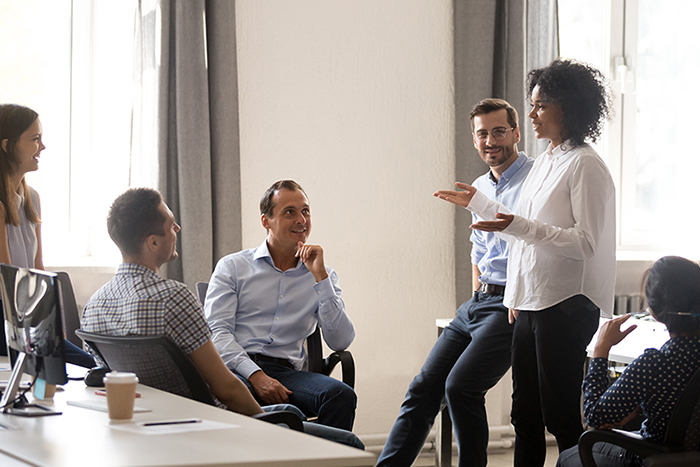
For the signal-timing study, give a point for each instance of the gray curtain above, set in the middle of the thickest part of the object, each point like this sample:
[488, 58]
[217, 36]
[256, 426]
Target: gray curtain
[542, 48]
[495, 44]
[198, 144]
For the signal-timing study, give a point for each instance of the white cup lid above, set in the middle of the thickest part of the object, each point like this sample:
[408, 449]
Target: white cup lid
[117, 377]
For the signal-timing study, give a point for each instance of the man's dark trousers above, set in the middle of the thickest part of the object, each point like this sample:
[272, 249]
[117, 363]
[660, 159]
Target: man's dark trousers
[468, 359]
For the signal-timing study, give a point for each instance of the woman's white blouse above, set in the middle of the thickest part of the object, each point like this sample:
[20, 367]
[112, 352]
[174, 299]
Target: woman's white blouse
[562, 239]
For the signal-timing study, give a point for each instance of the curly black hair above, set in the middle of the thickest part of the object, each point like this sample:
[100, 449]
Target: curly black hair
[582, 93]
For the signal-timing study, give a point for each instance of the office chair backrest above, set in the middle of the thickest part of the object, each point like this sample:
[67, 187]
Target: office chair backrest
[71, 317]
[157, 361]
[202, 291]
[684, 423]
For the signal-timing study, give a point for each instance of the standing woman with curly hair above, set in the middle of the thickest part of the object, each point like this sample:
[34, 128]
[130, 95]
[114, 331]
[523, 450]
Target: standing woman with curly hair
[561, 268]
[20, 240]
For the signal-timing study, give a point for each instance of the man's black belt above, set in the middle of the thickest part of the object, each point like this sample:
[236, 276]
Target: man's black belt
[257, 358]
[492, 289]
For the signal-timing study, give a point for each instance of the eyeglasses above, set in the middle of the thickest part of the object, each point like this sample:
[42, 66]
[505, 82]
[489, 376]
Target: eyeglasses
[498, 133]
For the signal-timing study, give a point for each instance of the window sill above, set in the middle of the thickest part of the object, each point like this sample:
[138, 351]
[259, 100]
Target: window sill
[632, 255]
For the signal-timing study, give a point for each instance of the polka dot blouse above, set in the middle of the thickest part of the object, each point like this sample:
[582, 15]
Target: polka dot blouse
[654, 381]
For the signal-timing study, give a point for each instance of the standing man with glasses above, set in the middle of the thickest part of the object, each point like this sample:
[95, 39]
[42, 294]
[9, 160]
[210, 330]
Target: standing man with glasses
[473, 352]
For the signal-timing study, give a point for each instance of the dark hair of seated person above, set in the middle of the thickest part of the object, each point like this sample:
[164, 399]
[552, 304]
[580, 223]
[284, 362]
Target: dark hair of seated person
[672, 290]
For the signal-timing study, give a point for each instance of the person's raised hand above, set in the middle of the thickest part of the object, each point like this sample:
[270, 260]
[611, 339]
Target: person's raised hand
[610, 334]
[312, 257]
[460, 198]
[502, 221]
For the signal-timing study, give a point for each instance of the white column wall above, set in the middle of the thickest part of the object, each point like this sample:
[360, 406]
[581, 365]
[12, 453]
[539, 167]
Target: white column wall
[354, 100]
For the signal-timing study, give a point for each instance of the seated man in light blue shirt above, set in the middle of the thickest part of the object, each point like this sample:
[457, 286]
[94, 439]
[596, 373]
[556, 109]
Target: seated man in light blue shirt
[262, 304]
[473, 352]
[137, 301]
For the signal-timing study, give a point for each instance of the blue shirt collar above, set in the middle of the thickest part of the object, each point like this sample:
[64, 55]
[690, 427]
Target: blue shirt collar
[263, 253]
[510, 171]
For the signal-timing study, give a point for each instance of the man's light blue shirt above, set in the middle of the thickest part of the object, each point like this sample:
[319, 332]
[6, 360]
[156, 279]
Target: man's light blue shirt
[254, 307]
[489, 251]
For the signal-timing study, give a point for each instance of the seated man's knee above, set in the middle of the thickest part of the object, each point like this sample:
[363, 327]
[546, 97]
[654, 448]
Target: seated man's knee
[346, 394]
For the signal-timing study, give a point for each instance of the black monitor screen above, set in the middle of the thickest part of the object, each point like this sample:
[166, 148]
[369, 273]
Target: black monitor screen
[33, 323]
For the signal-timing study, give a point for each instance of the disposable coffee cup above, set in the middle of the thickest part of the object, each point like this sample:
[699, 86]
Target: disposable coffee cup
[121, 393]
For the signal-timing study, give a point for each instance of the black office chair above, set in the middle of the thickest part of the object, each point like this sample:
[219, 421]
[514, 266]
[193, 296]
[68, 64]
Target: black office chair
[315, 363]
[71, 317]
[160, 363]
[681, 441]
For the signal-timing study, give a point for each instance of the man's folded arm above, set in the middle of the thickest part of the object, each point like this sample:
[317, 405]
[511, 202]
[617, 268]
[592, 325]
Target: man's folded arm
[336, 326]
[223, 384]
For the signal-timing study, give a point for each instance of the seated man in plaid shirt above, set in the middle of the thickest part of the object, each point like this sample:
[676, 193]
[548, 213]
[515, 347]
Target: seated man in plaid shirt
[139, 302]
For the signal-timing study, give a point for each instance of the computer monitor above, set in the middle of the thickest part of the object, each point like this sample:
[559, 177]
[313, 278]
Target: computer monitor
[33, 331]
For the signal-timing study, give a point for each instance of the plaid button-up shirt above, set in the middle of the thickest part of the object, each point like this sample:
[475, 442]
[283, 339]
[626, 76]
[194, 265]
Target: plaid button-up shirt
[139, 302]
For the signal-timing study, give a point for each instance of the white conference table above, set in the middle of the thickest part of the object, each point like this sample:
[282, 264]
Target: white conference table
[86, 437]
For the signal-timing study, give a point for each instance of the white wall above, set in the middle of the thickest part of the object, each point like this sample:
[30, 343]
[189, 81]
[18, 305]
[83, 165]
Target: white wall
[354, 100]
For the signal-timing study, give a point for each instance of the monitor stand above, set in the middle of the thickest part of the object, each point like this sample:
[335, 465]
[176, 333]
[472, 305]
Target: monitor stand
[9, 403]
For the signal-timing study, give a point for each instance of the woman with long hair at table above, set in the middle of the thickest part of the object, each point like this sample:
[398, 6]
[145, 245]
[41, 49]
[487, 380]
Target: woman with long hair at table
[20, 241]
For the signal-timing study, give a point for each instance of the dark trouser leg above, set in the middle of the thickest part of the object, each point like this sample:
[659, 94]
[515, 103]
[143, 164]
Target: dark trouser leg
[77, 356]
[315, 394]
[470, 356]
[557, 338]
[424, 399]
[526, 413]
[478, 369]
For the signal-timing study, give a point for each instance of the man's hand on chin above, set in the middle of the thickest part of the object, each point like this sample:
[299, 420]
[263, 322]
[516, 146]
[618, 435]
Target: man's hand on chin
[312, 257]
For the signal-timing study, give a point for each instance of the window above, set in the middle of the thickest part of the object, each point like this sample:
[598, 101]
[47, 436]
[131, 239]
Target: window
[72, 62]
[648, 51]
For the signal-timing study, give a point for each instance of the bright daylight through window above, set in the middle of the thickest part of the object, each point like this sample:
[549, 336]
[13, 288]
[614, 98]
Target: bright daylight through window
[71, 61]
[649, 52]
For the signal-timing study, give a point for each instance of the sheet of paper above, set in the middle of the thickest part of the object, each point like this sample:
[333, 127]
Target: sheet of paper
[101, 405]
[140, 429]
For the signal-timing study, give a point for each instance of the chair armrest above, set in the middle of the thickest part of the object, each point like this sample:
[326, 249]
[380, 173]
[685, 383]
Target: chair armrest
[631, 441]
[347, 365]
[675, 459]
[283, 417]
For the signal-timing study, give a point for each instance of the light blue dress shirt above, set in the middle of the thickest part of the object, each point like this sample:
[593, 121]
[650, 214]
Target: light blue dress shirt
[489, 251]
[254, 307]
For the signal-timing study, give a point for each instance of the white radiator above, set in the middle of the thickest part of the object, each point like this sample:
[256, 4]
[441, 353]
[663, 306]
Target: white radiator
[628, 304]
